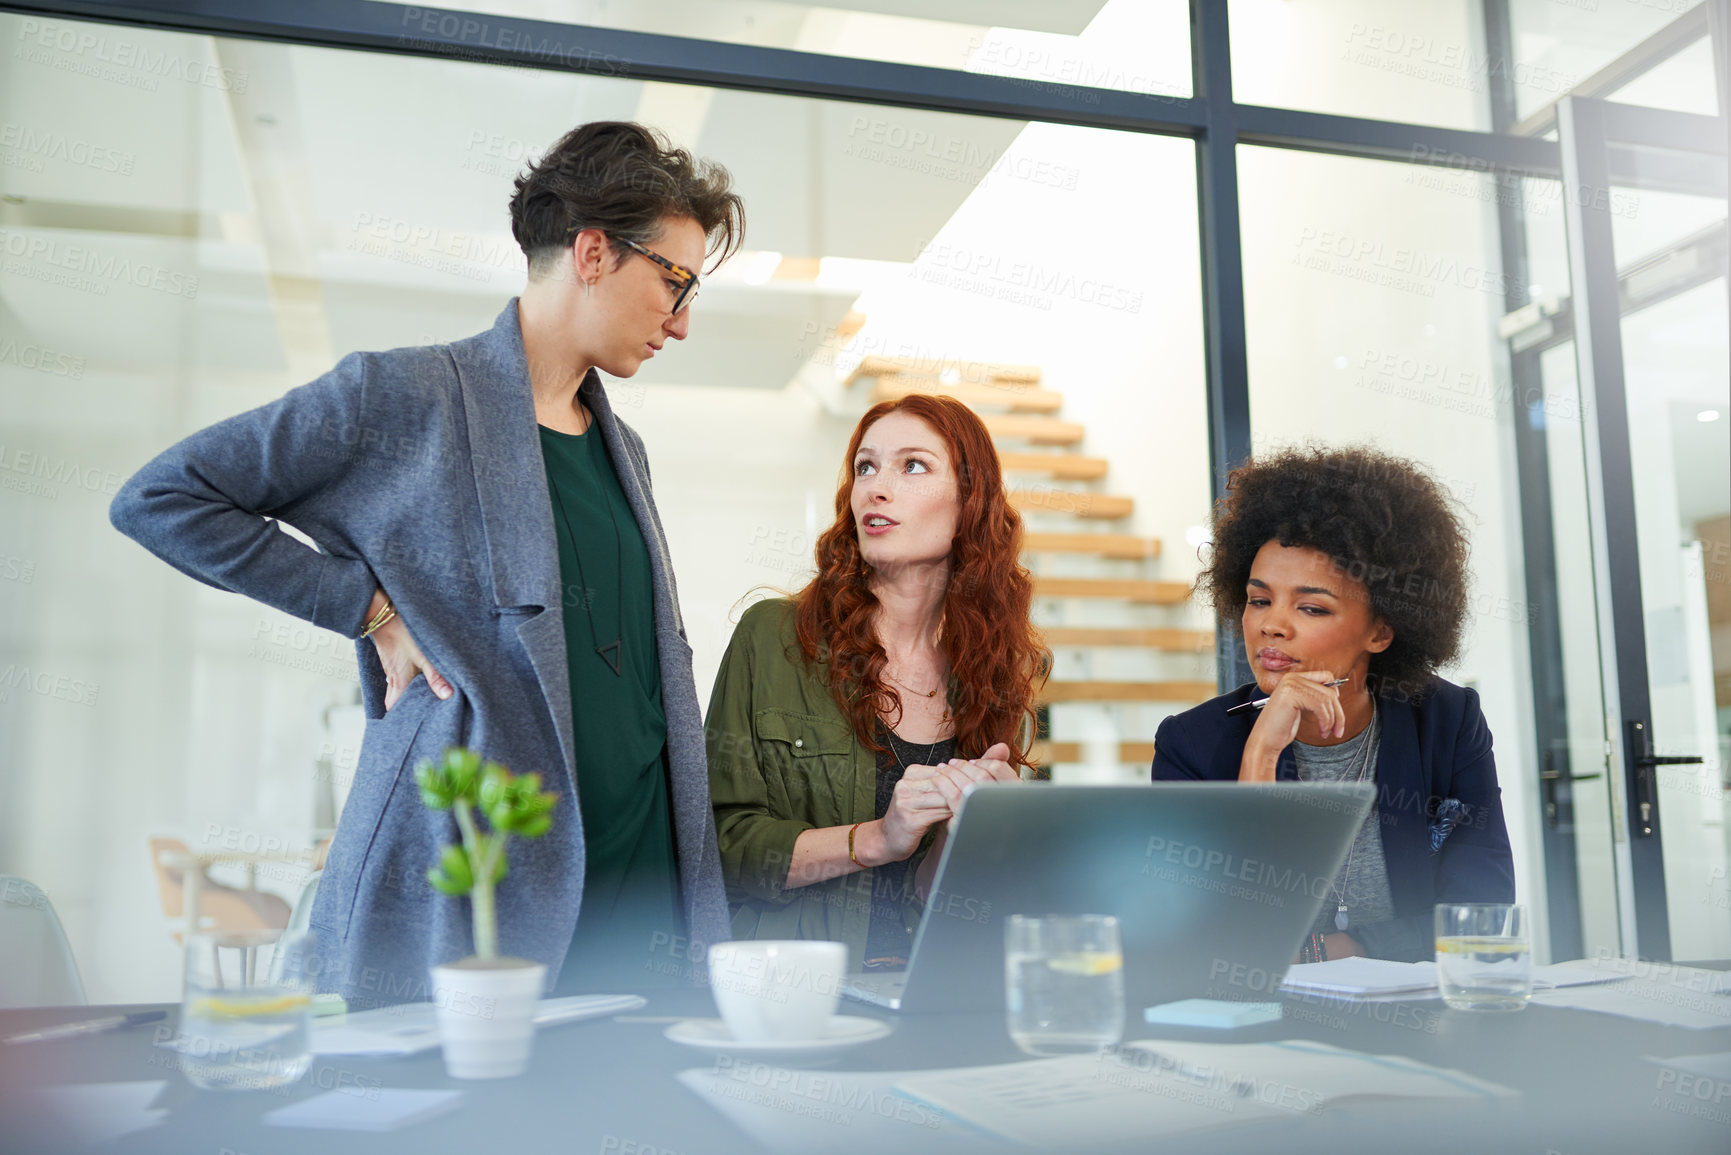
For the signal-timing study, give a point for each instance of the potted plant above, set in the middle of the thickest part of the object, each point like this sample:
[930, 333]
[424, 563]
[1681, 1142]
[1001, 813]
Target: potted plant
[485, 1004]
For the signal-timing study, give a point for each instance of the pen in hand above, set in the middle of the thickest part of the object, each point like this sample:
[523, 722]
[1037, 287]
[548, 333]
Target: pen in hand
[1261, 702]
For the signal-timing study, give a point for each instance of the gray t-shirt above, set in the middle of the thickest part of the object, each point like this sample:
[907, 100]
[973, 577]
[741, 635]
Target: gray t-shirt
[1363, 878]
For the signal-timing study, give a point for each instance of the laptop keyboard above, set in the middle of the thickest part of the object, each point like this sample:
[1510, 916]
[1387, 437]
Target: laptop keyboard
[878, 988]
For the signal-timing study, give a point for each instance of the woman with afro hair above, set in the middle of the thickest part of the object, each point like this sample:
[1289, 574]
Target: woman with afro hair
[1345, 572]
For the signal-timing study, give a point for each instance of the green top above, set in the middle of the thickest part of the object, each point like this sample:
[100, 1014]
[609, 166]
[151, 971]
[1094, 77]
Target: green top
[783, 759]
[630, 884]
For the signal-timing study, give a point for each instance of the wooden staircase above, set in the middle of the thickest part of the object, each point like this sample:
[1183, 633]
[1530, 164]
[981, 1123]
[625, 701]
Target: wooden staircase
[1047, 752]
[1049, 478]
[1114, 545]
[1057, 466]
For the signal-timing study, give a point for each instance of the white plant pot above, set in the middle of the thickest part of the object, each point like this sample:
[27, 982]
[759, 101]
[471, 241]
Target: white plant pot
[486, 1014]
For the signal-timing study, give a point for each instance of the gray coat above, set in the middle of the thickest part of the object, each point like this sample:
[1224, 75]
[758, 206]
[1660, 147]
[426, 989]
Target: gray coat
[419, 471]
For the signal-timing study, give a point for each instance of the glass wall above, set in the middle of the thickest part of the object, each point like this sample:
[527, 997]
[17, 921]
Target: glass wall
[1371, 303]
[1428, 64]
[194, 231]
[1126, 45]
[1573, 39]
[1418, 63]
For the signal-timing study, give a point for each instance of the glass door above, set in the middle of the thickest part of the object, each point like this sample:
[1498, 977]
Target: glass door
[1678, 402]
[1584, 834]
[1647, 309]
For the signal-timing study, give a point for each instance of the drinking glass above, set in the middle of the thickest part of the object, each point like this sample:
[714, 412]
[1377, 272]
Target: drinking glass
[1484, 956]
[240, 1029]
[1063, 982]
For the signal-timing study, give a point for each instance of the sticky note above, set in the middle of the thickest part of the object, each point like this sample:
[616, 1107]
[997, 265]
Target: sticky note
[1218, 1013]
[381, 1110]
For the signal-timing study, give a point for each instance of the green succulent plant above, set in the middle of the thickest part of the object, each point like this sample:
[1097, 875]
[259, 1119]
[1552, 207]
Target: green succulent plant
[462, 782]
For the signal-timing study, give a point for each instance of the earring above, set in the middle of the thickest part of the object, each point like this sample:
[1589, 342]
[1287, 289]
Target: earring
[587, 286]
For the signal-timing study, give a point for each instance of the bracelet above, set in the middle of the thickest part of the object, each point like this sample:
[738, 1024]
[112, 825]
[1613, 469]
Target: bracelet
[379, 619]
[1315, 949]
[852, 830]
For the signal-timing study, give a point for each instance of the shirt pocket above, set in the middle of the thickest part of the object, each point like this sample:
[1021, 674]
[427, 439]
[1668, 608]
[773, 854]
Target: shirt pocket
[809, 763]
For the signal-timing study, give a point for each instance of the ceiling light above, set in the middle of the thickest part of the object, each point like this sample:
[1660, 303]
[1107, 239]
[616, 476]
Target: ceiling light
[1707, 415]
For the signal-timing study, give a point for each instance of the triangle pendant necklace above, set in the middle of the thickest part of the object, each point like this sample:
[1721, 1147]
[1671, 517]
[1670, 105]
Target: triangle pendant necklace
[610, 654]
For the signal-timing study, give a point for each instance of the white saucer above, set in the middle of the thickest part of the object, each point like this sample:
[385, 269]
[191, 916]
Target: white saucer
[842, 1032]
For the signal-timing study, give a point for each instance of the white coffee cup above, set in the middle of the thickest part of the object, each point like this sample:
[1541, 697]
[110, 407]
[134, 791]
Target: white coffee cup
[777, 990]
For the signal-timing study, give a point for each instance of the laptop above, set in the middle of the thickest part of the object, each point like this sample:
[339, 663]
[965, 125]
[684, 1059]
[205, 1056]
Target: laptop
[1214, 884]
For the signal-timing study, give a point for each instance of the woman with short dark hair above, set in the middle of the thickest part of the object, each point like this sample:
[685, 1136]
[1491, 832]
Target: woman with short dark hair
[1345, 571]
[487, 522]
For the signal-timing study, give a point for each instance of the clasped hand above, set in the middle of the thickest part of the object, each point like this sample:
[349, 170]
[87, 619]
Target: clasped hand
[927, 795]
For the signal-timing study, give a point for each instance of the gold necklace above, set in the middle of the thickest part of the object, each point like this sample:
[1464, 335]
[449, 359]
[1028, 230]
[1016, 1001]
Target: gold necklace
[923, 693]
[927, 693]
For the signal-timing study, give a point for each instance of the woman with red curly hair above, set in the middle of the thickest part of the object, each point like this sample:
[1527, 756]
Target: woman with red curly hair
[847, 719]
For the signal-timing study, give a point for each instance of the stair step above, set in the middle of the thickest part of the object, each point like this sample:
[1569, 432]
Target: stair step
[1116, 545]
[1039, 430]
[1132, 589]
[1046, 753]
[1094, 506]
[847, 328]
[1187, 641]
[1181, 691]
[1014, 396]
[1062, 466]
[971, 372]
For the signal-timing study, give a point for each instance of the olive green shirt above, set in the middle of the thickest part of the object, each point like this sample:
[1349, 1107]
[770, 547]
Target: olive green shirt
[783, 759]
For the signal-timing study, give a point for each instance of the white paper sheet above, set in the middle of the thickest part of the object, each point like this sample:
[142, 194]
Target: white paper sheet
[1716, 1066]
[1087, 1099]
[1161, 1088]
[1696, 980]
[382, 1110]
[1378, 979]
[1361, 976]
[1146, 1090]
[411, 1028]
[98, 1112]
[1575, 973]
[1667, 1003]
[798, 1112]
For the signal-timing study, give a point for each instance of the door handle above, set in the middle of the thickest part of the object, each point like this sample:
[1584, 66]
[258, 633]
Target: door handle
[1550, 775]
[1641, 746]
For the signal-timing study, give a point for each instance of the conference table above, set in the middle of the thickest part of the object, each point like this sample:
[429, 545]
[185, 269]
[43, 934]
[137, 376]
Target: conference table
[1583, 1082]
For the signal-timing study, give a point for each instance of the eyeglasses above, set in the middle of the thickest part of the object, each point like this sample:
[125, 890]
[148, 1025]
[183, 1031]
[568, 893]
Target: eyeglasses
[686, 292]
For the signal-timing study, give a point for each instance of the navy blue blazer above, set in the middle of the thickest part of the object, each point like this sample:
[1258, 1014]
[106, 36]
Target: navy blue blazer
[1431, 751]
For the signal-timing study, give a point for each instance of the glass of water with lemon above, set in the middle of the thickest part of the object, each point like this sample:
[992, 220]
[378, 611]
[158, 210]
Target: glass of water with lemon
[244, 1020]
[1484, 956]
[1063, 982]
